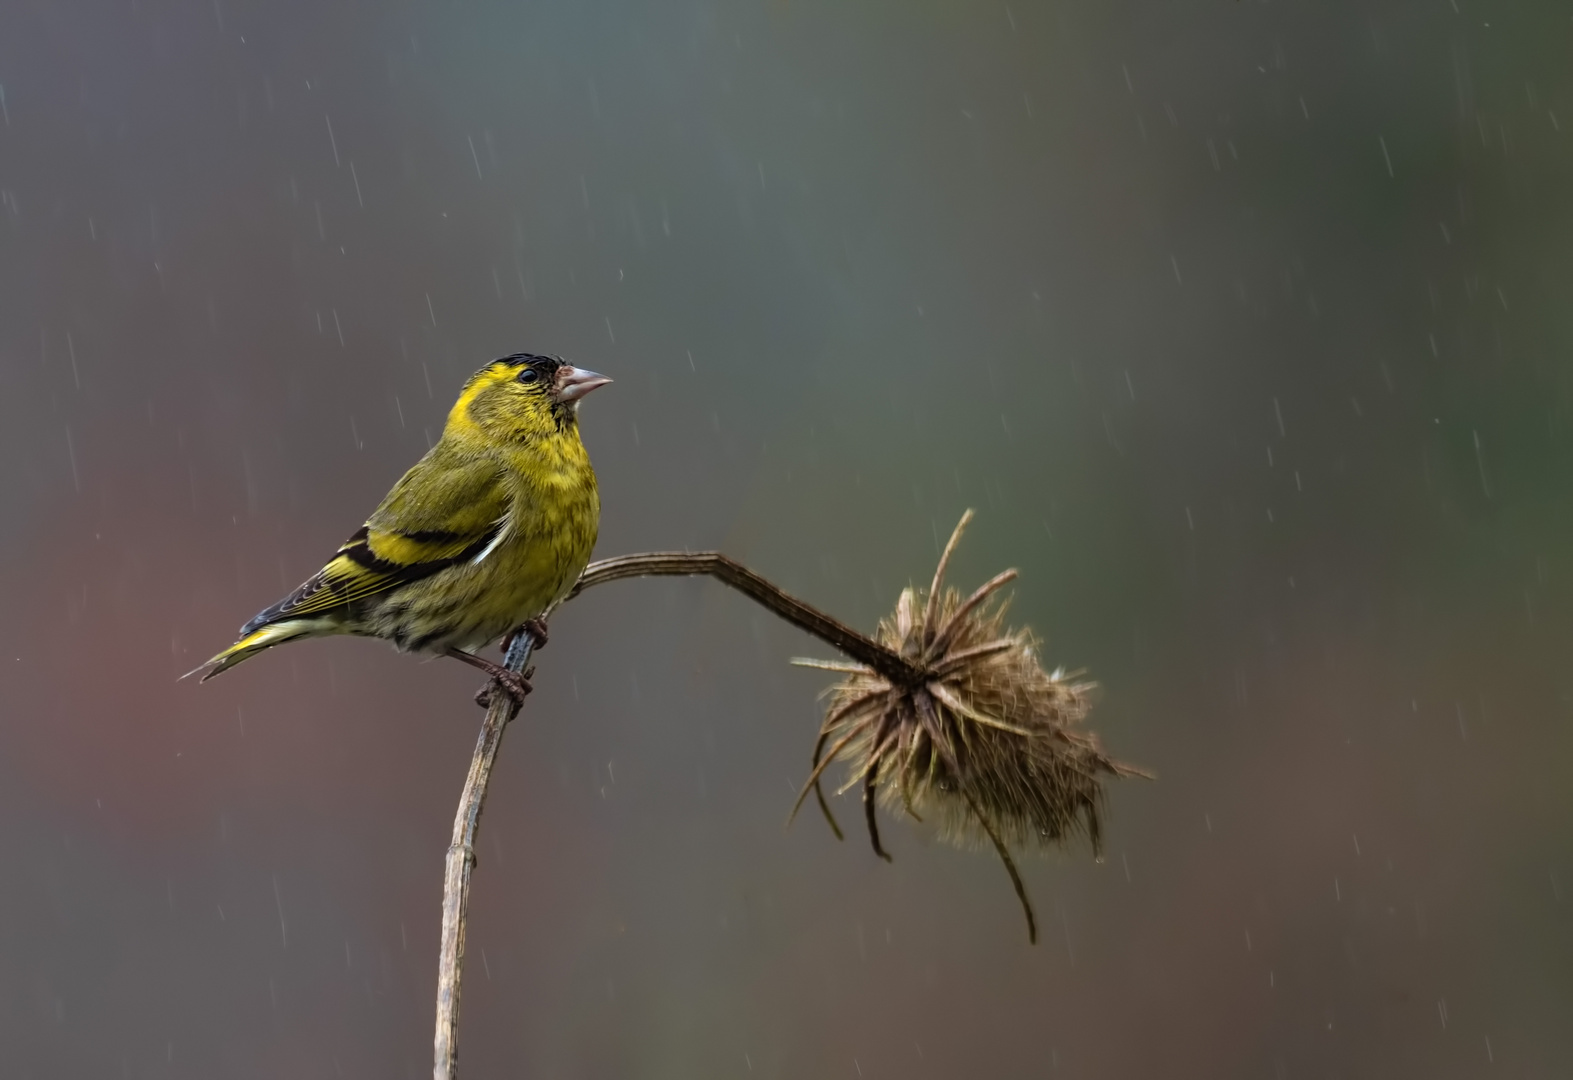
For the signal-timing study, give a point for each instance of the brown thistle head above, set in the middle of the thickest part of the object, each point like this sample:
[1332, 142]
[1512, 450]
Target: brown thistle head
[970, 731]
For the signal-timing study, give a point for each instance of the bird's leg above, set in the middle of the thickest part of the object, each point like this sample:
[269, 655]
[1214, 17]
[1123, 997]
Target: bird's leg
[536, 628]
[513, 684]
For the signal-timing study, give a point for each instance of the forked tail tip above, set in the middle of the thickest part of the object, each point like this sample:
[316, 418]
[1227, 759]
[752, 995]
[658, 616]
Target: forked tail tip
[202, 667]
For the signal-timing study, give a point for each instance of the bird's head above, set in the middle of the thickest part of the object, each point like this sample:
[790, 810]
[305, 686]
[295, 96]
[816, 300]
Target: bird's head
[523, 397]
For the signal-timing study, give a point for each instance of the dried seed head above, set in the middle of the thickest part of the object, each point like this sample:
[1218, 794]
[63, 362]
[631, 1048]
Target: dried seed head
[985, 742]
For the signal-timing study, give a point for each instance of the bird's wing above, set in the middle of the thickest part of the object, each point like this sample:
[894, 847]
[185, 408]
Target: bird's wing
[448, 509]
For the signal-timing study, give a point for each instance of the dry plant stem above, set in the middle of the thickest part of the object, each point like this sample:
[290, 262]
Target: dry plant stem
[688, 563]
[901, 673]
[819, 793]
[461, 853]
[1010, 868]
[461, 863]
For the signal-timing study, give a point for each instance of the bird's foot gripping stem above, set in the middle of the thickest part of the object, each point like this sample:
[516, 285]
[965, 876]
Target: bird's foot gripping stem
[513, 684]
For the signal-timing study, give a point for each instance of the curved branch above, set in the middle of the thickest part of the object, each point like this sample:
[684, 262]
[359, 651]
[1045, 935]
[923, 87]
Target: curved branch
[896, 668]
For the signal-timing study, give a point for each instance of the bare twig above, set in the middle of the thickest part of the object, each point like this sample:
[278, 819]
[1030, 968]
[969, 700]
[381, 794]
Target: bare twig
[805, 616]
[461, 853]
[461, 862]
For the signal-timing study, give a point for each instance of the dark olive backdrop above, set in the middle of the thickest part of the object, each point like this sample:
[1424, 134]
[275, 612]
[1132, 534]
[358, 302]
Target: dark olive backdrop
[1245, 327]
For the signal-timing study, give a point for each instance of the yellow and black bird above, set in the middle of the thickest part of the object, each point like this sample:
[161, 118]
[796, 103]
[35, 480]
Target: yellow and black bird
[489, 531]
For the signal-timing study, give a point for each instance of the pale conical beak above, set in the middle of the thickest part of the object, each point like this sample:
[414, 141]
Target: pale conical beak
[574, 383]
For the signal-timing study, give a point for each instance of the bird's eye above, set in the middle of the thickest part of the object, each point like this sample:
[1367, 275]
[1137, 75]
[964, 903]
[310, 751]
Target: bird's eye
[528, 375]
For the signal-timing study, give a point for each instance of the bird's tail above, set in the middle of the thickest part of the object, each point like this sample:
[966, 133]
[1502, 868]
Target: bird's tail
[264, 637]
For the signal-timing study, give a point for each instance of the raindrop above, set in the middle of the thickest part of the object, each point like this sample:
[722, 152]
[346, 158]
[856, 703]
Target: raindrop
[278, 900]
[1480, 461]
[76, 479]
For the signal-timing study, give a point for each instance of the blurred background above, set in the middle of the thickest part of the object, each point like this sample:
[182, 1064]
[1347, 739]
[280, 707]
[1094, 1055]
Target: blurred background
[1244, 326]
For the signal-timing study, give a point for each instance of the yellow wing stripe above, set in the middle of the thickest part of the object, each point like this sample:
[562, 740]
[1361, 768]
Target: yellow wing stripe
[375, 561]
[405, 550]
[340, 582]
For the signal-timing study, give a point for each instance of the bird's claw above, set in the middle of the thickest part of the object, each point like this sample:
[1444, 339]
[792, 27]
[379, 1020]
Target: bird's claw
[515, 686]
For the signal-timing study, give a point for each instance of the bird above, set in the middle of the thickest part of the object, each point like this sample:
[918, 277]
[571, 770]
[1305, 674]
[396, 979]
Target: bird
[482, 537]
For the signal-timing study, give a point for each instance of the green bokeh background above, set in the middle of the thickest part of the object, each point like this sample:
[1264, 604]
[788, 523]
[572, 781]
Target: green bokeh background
[1244, 326]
